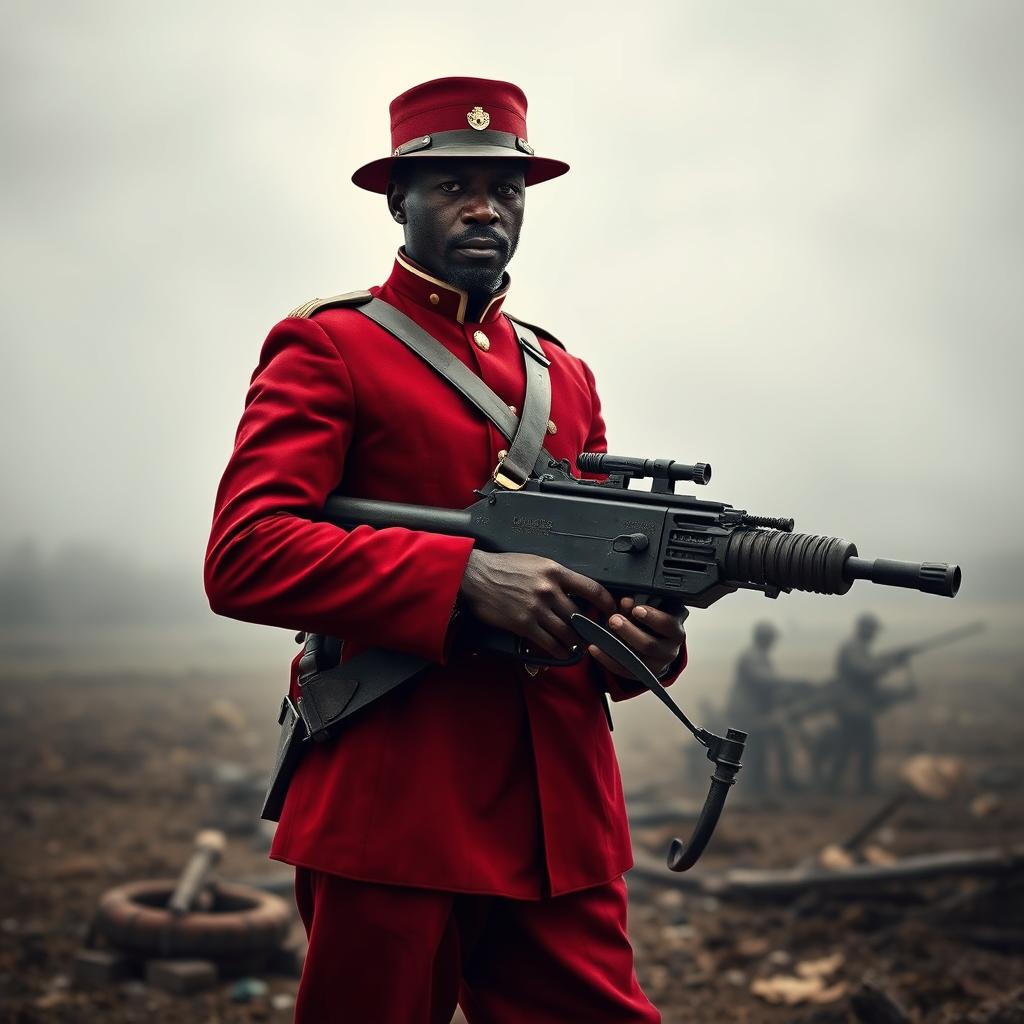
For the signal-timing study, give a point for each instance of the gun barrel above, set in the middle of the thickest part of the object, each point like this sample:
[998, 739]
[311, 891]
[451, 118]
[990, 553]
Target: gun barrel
[352, 512]
[928, 577]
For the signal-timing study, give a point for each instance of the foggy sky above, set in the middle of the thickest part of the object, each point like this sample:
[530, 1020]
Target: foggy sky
[791, 244]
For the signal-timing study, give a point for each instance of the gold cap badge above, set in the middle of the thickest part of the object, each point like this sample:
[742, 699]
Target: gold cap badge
[478, 118]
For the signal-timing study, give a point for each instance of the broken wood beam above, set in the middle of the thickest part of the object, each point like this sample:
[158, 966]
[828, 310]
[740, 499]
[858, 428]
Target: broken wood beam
[780, 883]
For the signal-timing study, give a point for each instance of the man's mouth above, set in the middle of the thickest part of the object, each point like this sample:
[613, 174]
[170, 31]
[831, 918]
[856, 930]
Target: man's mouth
[479, 248]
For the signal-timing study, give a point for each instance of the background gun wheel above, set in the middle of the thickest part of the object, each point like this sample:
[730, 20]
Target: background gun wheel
[242, 927]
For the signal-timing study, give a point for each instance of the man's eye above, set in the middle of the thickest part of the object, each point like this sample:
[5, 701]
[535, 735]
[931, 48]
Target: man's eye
[449, 186]
[508, 189]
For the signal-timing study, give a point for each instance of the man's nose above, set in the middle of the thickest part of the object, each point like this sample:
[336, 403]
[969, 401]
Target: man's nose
[479, 209]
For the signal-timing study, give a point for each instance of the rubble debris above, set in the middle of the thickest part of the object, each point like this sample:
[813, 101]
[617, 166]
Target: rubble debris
[822, 967]
[922, 941]
[872, 1005]
[226, 716]
[246, 990]
[984, 805]
[181, 977]
[94, 967]
[281, 1002]
[56, 993]
[835, 858]
[789, 990]
[934, 776]
[1008, 1009]
[879, 856]
[750, 947]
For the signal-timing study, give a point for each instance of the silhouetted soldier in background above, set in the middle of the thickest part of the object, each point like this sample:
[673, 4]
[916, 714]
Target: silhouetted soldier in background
[755, 704]
[859, 698]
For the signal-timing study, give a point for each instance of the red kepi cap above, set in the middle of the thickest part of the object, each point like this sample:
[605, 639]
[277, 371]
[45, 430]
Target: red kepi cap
[459, 117]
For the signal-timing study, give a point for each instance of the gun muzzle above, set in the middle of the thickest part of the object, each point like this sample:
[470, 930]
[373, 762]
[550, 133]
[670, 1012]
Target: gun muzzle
[928, 577]
[825, 565]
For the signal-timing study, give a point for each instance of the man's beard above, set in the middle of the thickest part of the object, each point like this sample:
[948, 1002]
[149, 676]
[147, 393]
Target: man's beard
[480, 280]
[475, 280]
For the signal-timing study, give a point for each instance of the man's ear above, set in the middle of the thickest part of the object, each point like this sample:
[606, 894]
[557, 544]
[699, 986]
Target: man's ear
[396, 202]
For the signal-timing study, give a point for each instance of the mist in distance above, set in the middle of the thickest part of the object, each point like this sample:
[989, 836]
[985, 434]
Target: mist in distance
[791, 245]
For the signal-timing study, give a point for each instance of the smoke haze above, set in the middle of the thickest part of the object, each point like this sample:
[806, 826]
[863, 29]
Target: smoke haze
[791, 244]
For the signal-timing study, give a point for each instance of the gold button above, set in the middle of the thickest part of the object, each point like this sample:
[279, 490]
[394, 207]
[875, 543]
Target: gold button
[502, 454]
[434, 298]
[552, 429]
[512, 409]
[482, 341]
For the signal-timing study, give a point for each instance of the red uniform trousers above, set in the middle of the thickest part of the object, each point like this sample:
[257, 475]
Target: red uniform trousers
[382, 954]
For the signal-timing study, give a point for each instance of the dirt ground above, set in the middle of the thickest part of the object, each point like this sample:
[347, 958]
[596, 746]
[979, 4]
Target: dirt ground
[105, 780]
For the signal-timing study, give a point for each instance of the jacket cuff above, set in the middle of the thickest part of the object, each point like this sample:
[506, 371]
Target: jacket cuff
[436, 622]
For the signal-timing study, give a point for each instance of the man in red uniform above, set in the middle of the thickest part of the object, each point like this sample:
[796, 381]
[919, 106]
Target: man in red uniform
[465, 837]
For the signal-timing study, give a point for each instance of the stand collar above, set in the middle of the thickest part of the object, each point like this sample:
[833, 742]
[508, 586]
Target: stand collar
[413, 282]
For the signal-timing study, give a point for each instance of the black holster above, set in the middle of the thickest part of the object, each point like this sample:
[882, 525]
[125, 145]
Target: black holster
[329, 693]
[319, 653]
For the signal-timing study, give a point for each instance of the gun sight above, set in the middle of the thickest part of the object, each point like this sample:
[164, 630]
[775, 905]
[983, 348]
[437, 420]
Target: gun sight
[639, 469]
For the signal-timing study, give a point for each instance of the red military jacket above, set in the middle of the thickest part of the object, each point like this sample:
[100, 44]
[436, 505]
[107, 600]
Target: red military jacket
[475, 777]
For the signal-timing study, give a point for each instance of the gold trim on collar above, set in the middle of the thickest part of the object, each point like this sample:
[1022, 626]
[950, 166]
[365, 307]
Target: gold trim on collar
[460, 316]
[496, 297]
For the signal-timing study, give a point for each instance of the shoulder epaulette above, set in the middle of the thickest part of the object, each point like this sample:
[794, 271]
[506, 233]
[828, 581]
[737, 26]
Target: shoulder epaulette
[536, 330]
[307, 309]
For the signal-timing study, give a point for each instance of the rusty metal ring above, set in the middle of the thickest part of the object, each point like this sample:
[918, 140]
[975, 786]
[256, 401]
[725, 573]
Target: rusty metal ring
[243, 922]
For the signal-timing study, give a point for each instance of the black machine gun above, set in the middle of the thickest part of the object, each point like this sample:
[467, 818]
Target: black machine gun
[659, 545]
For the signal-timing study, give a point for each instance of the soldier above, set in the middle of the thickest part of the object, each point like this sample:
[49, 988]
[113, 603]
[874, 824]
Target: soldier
[755, 700]
[859, 698]
[465, 837]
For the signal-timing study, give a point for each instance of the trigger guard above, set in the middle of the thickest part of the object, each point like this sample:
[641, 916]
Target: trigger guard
[546, 661]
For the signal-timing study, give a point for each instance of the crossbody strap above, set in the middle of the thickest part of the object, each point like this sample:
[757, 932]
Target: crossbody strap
[526, 455]
[330, 695]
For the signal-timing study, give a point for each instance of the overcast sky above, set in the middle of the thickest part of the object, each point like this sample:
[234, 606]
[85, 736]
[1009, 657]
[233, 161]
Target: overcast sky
[791, 244]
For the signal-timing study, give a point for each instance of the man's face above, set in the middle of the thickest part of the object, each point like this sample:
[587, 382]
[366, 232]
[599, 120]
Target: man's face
[461, 217]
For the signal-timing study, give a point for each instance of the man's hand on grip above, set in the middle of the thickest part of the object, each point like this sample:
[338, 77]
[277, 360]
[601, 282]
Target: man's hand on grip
[532, 597]
[655, 635]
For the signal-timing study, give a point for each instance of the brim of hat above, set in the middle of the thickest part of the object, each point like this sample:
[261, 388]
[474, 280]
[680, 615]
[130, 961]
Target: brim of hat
[374, 176]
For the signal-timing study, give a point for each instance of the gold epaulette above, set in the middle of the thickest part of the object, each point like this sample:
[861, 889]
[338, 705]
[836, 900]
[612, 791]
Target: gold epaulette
[543, 331]
[307, 309]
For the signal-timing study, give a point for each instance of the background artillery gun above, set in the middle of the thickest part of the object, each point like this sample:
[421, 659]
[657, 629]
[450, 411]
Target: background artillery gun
[184, 934]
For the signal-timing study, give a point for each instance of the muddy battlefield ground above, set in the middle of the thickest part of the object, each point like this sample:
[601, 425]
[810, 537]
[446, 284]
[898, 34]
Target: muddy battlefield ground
[104, 780]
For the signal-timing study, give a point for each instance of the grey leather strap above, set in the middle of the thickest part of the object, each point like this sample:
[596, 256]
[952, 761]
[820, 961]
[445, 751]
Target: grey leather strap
[518, 464]
[526, 454]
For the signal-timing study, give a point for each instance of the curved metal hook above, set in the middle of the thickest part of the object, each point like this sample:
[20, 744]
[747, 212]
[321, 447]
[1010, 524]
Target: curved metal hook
[724, 751]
